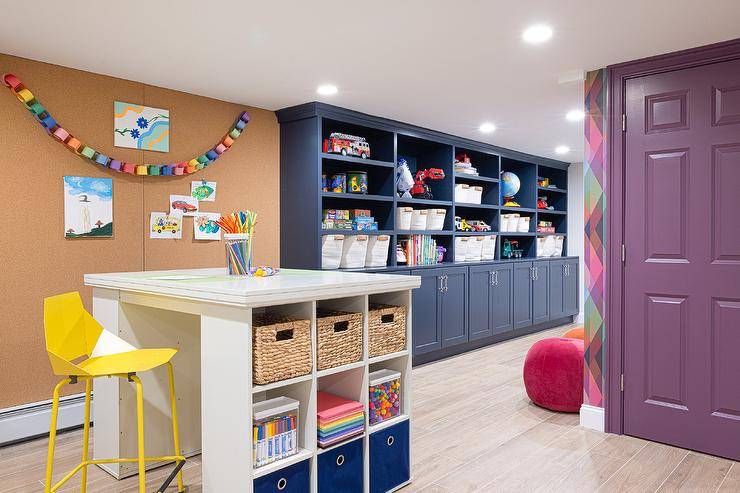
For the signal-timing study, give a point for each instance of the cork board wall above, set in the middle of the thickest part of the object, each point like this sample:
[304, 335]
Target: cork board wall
[37, 261]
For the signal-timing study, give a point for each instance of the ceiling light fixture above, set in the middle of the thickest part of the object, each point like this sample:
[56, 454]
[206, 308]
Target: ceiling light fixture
[562, 150]
[537, 34]
[487, 127]
[327, 90]
[575, 116]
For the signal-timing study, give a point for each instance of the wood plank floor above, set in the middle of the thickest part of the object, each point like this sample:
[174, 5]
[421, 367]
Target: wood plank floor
[474, 429]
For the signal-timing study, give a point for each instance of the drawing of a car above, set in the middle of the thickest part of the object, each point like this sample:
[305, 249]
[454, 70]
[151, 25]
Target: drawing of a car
[183, 206]
[164, 225]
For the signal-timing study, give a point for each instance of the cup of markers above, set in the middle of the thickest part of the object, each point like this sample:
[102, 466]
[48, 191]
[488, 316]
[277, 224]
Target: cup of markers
[238, 229]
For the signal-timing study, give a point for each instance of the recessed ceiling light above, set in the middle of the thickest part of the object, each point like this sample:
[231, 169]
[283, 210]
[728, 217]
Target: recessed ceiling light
[575, 115]
[537, 34]
[327, 90]
[562, 150]
[487, 127]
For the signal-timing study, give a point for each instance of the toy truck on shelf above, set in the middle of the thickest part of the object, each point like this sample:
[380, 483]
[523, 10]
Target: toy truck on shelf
[347, 145]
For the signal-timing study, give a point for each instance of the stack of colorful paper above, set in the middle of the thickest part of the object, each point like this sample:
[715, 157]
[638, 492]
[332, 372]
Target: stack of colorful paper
[338, 419]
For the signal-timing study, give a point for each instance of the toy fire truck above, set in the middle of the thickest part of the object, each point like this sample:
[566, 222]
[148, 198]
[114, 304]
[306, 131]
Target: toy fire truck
[347, 145]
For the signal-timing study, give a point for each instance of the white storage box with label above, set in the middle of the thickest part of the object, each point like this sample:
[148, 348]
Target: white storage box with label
[436, 219]
[461, 192]
[475, 249]
[419, 219]
[475, 194]
[545, 246]
[377, 250]
[559, 240]
[488, 252]
[275, 428]
[509, 223]
[461, 247]
[354, 250]
[331, 251]
[403, 218]
[523, 224]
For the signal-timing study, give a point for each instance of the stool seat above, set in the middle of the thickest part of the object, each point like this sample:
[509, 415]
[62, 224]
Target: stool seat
[134, 361]
[553, 374]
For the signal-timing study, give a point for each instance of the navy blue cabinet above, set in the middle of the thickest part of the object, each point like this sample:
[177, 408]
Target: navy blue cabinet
[570, 288]
[540, 291]
[453, 311]
[439, 310]
[522, 297]
[389, 458]
[291, 479]
[490, 301]
[557, 284]
[340, 470]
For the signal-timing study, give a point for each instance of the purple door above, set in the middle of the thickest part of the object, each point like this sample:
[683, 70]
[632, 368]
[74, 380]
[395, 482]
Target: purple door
[682, 269]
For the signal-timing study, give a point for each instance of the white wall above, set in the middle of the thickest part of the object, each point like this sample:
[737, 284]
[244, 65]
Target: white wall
[575, 224]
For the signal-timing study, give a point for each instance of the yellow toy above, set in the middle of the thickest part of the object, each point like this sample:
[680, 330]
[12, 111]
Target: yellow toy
[72, 333]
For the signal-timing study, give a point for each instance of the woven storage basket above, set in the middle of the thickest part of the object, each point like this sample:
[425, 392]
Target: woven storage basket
[339, 338]
[387, 329]
[281, 348]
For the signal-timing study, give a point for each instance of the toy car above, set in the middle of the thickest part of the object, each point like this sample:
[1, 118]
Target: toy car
[479, 226]
[462, 225]
[183, 206]
[345, 144]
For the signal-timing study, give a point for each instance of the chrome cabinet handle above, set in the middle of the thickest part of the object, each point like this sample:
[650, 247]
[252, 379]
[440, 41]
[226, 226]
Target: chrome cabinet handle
[390, 441]
[282, 483]
[447, 286]
[340, 460]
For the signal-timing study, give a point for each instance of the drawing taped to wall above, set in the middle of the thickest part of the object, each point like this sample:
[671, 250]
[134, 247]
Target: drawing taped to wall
[205, 226]
[141, 127]
[185, 204]
[204, 191]
[88, 207]
[163, 225]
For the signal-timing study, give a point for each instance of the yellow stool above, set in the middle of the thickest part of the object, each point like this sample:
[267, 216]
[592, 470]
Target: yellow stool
[71, 333]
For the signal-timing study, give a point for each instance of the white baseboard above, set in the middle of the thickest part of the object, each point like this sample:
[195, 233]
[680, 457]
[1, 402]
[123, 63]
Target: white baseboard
[33, 420]
[592, 417]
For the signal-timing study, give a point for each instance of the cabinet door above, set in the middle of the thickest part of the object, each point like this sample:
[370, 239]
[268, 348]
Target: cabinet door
[522, 294]
[425, 312]
[540, 292]
[479, 302]
[454, 309]
[570, 288]
[501, 299]
[557, 279]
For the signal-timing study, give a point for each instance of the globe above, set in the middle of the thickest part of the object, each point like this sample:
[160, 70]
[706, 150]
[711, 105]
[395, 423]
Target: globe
[510, 184]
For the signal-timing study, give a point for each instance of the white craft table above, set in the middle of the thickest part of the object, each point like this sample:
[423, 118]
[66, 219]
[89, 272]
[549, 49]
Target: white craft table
[207, 315]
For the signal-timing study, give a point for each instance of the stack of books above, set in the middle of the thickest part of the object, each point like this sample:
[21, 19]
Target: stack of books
[338, 419]
[421, 250]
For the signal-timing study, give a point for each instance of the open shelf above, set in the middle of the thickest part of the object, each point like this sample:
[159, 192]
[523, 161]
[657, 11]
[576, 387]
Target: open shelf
[547, 211]
[302, 454]
[549, 189]
[340, 369]
[413, 201]
[430, 232]
[281, 383]
[320, 451]
[357, 160]
[389, 422]
[353, 232]
[463, 177]
[357, 196]
[390, 356]
[468, 205]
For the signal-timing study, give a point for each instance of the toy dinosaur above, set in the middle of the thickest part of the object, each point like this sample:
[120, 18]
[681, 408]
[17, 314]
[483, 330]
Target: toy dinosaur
[421, 190]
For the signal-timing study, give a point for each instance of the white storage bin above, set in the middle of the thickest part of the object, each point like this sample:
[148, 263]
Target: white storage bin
[331, 251]
[436, 219]
[419, 219]
[475, 194]
[280, 413]
[509, 223]
[461, 192]
[559, 240]
[377, 250]
[475, 249]
[354, 250]
[523, 224]
[461, 248]
[545, 246]
[403, 218]
[488, 252]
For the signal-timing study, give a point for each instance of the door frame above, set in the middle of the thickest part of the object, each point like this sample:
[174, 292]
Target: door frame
[618, 75]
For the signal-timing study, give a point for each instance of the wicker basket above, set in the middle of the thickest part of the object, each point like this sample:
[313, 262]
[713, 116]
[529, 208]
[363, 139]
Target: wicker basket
[339, 338]
[281, 348]
[387, 329]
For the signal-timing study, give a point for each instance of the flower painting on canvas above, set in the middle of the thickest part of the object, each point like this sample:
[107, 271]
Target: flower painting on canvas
[141, 127]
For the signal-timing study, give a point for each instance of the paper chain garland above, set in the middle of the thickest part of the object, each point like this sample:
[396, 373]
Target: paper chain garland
[78, 147]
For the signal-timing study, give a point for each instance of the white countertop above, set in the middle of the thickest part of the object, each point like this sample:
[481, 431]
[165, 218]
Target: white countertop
[216, 286]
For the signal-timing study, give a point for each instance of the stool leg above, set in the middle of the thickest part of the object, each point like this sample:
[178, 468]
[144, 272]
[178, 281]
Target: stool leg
[86, 435]
[140, 430]
[175, 429]
[53, 434]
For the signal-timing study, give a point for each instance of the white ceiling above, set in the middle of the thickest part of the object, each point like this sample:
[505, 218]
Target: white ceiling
[444, 64]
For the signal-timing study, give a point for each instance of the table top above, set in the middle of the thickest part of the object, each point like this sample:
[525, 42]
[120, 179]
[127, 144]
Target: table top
[215, 285]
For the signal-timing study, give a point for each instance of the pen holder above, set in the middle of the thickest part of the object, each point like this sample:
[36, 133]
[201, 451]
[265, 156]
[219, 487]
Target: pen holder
[238, 253]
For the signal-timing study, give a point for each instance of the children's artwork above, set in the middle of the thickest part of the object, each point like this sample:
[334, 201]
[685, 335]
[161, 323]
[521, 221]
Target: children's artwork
[141, 127]
[185, 204]
[204, 191]
[205, 226]
[163, 225]
[88, 207]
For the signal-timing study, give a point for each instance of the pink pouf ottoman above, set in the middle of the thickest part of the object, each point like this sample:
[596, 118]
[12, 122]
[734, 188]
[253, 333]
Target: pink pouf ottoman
[553, 374]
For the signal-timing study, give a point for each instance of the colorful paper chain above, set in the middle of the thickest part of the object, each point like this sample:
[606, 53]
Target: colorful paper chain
[63, 136]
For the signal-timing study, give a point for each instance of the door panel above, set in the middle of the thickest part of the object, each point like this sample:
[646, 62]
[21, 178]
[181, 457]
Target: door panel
[540, 292]
[425, 311]
[522, 294]
[479, 303]
[501, 299]
[453, 309]
[571, 293]
[557, 289]
[682, 270]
